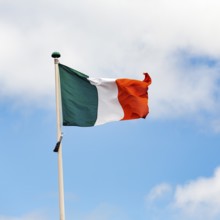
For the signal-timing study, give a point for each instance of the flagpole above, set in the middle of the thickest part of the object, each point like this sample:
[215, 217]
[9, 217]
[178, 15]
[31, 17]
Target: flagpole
[58, 147]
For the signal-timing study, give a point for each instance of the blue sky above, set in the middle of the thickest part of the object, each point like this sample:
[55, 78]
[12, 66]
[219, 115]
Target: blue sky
[163, 168]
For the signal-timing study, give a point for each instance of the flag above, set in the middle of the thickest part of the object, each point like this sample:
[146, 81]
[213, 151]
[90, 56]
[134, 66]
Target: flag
[90, 101]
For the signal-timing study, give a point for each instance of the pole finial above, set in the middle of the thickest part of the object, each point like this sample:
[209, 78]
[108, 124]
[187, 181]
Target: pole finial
[55, 55]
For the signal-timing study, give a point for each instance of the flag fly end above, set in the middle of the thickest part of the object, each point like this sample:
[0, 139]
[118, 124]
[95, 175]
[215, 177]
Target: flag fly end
[147, 78]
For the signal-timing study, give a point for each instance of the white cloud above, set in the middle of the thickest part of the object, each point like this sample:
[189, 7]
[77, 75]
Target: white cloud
[197, 199]
[115, 38]
[201, 196]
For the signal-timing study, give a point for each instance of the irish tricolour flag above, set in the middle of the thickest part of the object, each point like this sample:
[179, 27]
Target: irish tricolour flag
[90, 101]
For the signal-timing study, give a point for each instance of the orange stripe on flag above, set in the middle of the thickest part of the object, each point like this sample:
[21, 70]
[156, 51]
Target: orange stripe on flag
[133, 97]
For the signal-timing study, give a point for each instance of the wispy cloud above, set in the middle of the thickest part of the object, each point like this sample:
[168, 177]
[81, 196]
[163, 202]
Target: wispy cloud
[31, 216]
[104, 212]
[158, 192]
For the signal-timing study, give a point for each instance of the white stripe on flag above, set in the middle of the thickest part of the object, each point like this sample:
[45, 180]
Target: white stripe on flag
[109, 108]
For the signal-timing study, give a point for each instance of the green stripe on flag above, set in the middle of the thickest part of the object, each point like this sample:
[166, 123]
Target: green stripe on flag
[79, 98]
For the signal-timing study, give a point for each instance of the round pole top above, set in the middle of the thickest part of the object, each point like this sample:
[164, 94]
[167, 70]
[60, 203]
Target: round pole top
[55, 55]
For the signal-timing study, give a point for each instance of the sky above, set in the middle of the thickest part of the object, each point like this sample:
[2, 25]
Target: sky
[166, 167]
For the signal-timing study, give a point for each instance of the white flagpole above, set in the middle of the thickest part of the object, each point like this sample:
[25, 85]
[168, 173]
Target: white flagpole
[56, 55]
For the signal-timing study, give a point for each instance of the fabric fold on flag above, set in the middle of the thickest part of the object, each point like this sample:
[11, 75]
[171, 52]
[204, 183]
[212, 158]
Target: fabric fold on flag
[88, 101]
